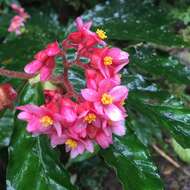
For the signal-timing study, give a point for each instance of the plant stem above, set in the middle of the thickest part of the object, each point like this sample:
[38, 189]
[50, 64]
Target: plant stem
[14, 74]
[24, 76]
[169, 159]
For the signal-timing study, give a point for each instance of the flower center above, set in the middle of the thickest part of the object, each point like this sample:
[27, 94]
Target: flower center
[90, 118]
[101, 34]
[108, 60]
[106, 99]
[71, 143]
[46, 121]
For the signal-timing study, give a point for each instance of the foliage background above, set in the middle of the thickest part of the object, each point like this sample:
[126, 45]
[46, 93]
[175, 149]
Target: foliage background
[156, 33]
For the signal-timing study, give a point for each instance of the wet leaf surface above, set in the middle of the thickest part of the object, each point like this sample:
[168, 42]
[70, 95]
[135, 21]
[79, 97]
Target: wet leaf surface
[132, 163]
[6, 126]
[136, 20]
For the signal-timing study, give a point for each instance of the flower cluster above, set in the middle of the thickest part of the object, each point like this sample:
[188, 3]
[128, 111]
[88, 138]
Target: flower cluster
[97, 112]
[17, 22]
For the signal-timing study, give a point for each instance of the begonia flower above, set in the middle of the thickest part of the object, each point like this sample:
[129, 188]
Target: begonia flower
[44, 62]
[105, 98]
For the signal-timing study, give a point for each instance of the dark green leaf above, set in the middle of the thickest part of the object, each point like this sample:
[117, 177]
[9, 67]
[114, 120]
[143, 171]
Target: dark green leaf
[132, 163]
[149, 62]
[136, 20]
[6, 126]
[176, 120]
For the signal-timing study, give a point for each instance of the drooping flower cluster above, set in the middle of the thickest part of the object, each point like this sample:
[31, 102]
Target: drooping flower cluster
[97, 113]
[17, 22]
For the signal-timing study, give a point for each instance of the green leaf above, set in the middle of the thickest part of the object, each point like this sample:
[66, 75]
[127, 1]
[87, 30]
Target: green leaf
[32, 163]
[6, 126]
[175, 119]
[4, 23]
[149, 62]
[183, 153]
[136, 20]
[156, 111]
[132, 163]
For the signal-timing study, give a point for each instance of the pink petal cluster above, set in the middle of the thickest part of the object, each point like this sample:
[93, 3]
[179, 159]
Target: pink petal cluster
[44, 61]
[99, 112]
[17, 22]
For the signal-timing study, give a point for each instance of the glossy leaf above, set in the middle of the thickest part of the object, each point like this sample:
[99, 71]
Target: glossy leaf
[149, 62]
[32, 163]
[158, 111]
[176, 120]
[132, 163]
[136, 20]
[6, 126]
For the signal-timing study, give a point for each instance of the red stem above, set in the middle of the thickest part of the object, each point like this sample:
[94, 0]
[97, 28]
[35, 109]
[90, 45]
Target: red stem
[14, 74]
[68, 86]
[21, 75]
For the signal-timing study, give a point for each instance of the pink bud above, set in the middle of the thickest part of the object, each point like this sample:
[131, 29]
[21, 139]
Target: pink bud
[7, 95]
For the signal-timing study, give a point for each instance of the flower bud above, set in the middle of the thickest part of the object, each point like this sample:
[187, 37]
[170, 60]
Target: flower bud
[7, 95]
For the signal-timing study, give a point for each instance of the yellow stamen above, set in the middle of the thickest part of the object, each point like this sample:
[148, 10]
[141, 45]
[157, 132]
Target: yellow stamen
[101, 34]
[90, 118]
[108, 60]
[71, 143]
[106, 99]
[46, 121]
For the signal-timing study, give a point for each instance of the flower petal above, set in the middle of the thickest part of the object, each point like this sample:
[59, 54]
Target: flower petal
[89, 94]
[33, 67]
[89, 146]
[98, 108]
[24, 116]
[74, 153]
[106, 85]
[119, 128]
[113, 112]
[68, 114]
[119, 93]
[47, 69]
[103, 140]
[58, 128]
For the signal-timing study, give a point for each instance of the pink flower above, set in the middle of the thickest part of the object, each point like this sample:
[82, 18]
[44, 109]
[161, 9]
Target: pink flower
[40, 120]
[44, 62]
[86, 117]
[109, 61]
[106, 98]
[16, 23]
[116, 127]
[68, 110]
[20, 11]
[83, 38]
[74, 144]
[93, 78]
[64, 106]
[103, 140]
[94, 115]
[102, 132]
